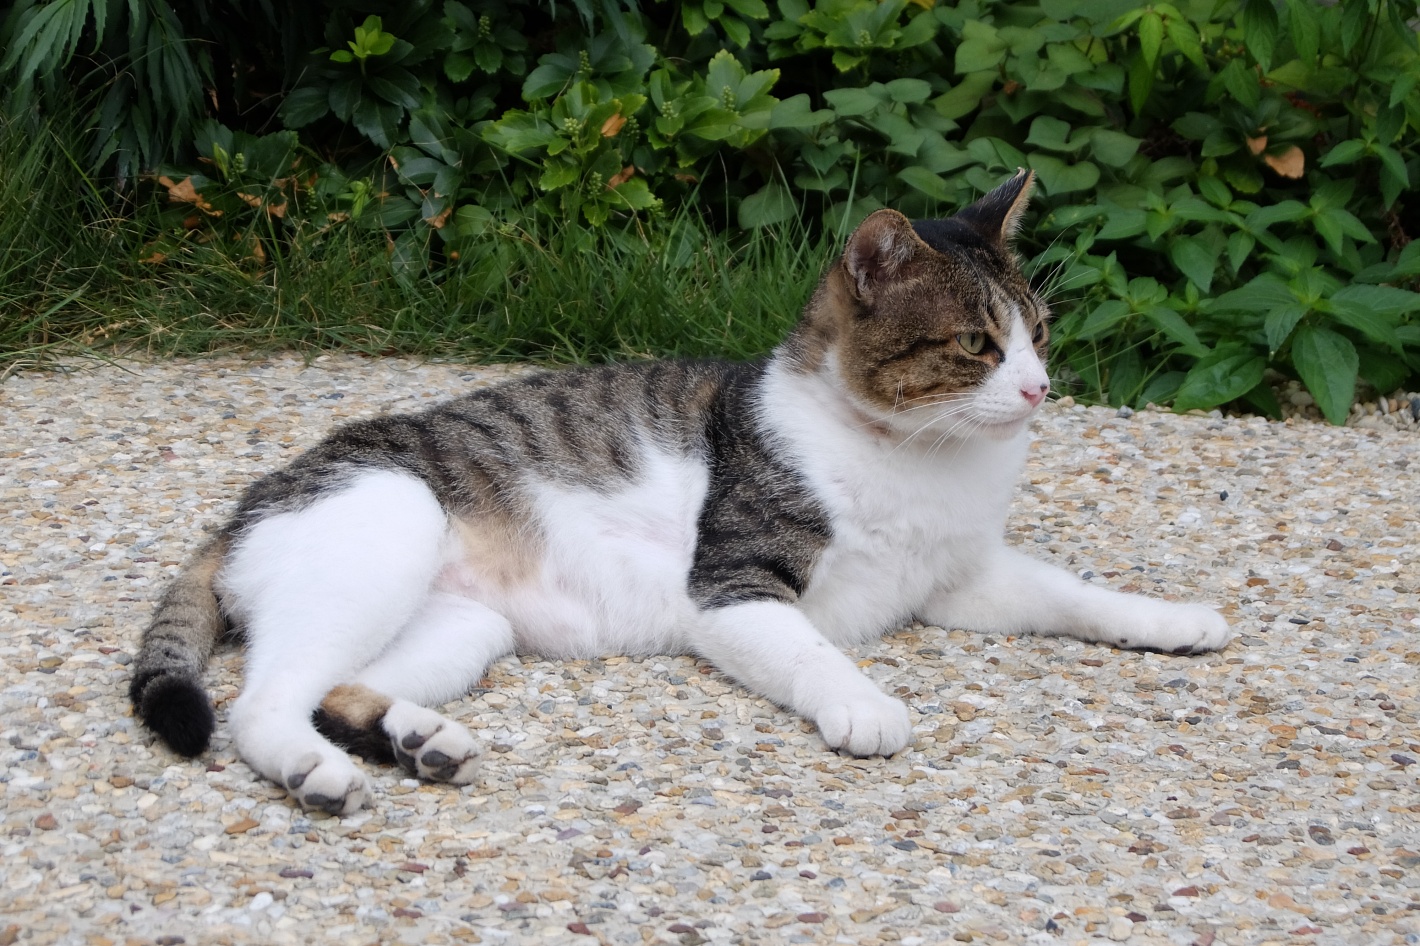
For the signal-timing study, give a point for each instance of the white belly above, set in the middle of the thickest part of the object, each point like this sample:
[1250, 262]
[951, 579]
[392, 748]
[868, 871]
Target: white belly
[608, 571]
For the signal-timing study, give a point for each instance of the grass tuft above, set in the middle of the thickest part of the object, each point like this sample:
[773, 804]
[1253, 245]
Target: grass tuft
[78, 278]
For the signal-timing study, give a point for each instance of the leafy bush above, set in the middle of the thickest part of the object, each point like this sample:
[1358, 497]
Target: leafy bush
[1225, 189]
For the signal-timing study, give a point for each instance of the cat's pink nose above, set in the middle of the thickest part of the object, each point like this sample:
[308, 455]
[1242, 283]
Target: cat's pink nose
[1035, 394]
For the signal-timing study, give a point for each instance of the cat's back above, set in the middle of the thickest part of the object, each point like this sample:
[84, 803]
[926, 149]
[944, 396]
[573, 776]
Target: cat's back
[590, 428]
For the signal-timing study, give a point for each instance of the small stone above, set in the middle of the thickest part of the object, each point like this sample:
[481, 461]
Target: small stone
[579, 928]
[243, 826]
[1120, 929]
[46, 822]
[1321, 834]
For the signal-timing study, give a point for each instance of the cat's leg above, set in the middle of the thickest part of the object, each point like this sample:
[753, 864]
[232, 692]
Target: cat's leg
[321, 592]
[1015, 594]
[384, 714]
[773, 649]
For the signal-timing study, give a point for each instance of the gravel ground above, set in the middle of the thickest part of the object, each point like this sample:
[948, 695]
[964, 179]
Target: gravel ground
[1054, 792]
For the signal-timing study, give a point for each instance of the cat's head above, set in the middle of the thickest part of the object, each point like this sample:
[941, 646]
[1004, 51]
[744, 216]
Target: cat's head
[931, 326]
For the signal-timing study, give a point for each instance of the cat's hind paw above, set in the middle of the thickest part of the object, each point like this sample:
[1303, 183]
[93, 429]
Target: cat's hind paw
[879, 725]
[431, 746]
[327, 782]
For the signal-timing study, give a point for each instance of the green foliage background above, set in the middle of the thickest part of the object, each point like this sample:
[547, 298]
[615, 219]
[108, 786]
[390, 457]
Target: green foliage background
[1225, 188]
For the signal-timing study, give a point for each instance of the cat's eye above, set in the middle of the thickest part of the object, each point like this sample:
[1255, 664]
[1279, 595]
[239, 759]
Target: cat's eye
[972, 342]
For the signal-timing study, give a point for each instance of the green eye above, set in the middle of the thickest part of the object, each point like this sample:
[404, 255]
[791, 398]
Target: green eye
[972, 342]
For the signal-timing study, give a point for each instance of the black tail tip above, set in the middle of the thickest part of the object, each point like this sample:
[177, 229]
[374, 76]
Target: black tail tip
[179, 711]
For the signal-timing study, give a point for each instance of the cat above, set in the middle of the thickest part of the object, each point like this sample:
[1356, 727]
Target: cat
[759, 515]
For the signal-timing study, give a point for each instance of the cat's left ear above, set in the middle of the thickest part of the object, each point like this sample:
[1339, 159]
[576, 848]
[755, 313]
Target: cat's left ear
[876, 252]
[997, 216]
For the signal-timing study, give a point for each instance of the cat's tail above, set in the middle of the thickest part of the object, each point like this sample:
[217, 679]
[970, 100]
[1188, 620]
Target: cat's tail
[167, 690]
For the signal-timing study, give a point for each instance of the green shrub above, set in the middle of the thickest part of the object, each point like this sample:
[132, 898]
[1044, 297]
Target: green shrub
[1225, 189]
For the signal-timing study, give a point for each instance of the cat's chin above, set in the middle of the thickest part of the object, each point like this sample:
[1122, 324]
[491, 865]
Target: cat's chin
[1001, 430]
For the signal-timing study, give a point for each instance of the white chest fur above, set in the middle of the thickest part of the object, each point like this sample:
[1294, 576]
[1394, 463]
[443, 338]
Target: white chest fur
[907, 519]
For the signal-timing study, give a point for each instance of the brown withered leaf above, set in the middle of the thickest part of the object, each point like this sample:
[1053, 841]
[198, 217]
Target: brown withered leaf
[1291, 163]
[613, 125]
[621, 177]
[185, 192]
[1257, 145]
[442, 217]
[251, 200]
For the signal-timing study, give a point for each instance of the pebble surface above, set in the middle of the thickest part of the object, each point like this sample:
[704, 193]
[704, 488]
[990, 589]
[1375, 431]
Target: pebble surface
[1055, 792]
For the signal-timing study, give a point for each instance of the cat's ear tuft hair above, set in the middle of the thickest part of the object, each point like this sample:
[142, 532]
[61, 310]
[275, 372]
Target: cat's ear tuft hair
[877, 251]
[997, 215]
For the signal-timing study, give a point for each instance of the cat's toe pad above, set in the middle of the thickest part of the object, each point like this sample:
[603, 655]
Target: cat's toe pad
[432, 746]
[327, 782]
[865, 727]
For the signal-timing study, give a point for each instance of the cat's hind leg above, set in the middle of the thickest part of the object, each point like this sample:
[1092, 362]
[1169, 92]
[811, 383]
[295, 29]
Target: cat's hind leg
[321, 592]
[384, 712]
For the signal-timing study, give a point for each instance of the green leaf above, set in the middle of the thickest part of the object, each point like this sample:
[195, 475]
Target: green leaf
[1195, 260]
[1223, 375]
[1057, 177]
[1328, 366]
[1050, 133]
[850, 102]
[1113, 148]
[1123, 224]
[1262, 294]
[304, 106]
[1304, 24]
[1103, 318]
[909, 91]
[981, 48]
[1241, 83]
[1240, 246]
[771, 204]
[796, 112]
[1173, 326]
[398, 86]
[1345, 152]
[1383, 300]
[1260, 29]
[966, 96]
[1186, 39]
[1151, 37]
[928, 183]
[1279, 324]
[1286, 211]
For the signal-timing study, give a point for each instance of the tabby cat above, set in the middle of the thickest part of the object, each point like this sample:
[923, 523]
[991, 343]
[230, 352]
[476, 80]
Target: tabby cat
[758, 515]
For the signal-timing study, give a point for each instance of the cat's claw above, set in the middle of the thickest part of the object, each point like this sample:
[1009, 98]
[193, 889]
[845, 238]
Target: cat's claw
[431, 746]
[866, 726]
[328, 783]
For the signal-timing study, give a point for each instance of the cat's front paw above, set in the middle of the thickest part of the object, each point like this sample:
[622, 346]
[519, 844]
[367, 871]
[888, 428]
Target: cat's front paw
[432, 746]
[327, 782]
[869, 725]
[1179, 629]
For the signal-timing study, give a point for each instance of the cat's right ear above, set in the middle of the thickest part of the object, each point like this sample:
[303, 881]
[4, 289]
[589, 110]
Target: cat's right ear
[876, 252]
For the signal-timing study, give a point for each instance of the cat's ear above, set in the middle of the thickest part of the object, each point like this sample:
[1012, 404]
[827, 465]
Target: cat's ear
[997, 216]
[883, 243]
